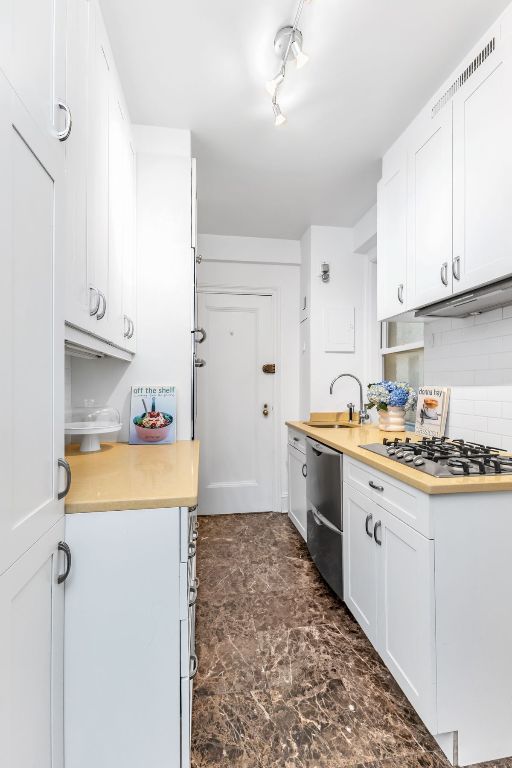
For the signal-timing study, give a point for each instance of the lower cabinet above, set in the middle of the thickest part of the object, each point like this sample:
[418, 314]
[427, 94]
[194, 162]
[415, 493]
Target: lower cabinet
[31, 656]
[129, 655]
[297, 506]
[390, 589]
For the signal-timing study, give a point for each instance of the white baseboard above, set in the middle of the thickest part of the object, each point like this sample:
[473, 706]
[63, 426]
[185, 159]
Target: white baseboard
[284, 502]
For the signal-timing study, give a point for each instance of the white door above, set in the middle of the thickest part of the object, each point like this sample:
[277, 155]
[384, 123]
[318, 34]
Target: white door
[99, 96]
[430, 208]
[483, 173]
[360, 515]
[78, 268]
[406, 612]
[32, 657]
[31, 328]
[297, 506]
[392, 296]
[235, 413]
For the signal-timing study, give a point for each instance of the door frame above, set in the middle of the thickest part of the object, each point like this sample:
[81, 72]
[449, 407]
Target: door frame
[274, 294]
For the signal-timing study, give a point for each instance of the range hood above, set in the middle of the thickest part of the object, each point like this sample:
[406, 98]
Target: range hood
[474, 302]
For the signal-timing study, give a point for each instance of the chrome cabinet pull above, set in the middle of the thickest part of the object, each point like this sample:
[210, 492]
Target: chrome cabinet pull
[192, 550]
[126, 330]
[400, 293]
[192, 595]
[369, 518]
[63, 547]
[65, 133]
[203, 334]
[444, 273]
[94, 310]
[456, 268]
[304, 470]
[378, 526]
[199, 363]
[101, 315]
[193, 666]
[131, 330]
[65, 466]
[375, 486]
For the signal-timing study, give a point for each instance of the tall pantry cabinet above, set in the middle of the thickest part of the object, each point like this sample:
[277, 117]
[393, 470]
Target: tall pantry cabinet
[34, 122]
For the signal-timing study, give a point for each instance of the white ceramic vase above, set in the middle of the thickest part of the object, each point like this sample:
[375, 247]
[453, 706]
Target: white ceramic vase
[392, 420]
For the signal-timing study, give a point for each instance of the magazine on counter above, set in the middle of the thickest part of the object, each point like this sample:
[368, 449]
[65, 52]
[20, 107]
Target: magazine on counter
[153, 415]
[432, 411]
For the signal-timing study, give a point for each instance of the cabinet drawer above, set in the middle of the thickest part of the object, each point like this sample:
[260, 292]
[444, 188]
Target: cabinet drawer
[297, 440]
[408, 504]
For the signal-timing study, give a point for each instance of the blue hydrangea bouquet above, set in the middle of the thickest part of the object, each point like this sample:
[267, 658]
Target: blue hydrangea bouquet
[392, 399]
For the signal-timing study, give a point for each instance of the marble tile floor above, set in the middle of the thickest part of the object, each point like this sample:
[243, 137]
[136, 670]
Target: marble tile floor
[287, 679]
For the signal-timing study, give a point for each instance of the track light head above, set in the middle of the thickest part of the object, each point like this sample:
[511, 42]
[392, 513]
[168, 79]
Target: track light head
[301, 58]
[279, 118]
[272, 85]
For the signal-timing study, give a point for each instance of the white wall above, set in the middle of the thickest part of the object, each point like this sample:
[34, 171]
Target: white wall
[351, 285]
[164, 286]
[270, 264]
[473, 356]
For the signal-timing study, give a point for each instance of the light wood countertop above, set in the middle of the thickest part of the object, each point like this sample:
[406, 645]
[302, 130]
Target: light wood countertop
[348, 441]
[123, 476]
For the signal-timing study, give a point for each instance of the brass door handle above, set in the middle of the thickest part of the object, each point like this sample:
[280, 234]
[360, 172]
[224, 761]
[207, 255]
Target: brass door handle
[265, 410]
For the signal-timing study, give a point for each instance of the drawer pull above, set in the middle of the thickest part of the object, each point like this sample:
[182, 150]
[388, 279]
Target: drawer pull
[376, 487]
[192, 595]
[304, 470]
[193, 666]
[192, 550]
[195, 534]
[369, 518]
[378, 526]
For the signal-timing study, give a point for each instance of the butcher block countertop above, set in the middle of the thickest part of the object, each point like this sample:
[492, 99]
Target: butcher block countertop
[349, 440]
[123, 476]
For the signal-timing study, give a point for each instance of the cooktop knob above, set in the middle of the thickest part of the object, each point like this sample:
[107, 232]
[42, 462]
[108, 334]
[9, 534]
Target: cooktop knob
[419, 462]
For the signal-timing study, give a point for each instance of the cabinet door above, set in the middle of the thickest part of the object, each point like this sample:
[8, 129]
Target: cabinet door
[297, 508]
[32, 56]
[406, 612]
[360, 559]
[32, 657]
[78, 268]
[392, 290]
[129, 276]
[430, 208]
[99, 96]
[31, 328]
[483, 173]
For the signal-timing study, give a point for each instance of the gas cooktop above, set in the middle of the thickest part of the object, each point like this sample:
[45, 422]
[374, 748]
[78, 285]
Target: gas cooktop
[440, 457]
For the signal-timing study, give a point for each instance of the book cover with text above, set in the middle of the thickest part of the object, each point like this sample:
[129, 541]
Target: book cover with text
[153, 415]
[432, 411]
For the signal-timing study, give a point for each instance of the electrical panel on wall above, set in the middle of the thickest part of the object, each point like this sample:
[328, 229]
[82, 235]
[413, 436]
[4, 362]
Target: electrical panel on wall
[339, 329]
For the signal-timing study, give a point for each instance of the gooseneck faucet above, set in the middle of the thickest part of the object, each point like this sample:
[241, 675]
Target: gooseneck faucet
[363, 413]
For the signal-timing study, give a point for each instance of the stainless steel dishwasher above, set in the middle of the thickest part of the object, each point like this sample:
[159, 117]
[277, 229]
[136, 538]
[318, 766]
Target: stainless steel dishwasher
[324, 483]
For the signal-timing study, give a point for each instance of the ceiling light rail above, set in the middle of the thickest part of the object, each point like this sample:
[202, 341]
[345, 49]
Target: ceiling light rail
[287, 44]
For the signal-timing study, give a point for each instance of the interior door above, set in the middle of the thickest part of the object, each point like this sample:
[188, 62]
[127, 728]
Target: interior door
[360, 559]
[483, 173]
[31, 328]
[235, 419]
[32, 657]
[429, 267]
[406, 613]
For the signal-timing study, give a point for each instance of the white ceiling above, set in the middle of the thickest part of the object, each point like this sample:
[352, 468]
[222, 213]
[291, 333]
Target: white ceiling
[202, 64]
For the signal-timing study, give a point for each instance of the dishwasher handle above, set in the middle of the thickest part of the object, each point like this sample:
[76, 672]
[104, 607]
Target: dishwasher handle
[320, 449]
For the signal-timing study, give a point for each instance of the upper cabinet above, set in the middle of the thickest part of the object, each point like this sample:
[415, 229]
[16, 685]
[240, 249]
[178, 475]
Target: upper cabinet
[482, 173]
[392, 296]
[447, 228]
[100, 165]
[429, 253]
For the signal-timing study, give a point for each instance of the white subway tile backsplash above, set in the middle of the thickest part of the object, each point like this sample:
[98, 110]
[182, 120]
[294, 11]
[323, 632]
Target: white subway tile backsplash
[473, 356]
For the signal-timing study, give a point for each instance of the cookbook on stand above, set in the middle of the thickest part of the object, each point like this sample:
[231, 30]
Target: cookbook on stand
[153, 415]
[432, 411]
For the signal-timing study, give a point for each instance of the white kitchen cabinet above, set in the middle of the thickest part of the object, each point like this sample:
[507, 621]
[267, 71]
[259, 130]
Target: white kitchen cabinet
[31, 657]
[129, 640]
[31, 323]
[406, 611]
[129, 276]
[360, 559]
[482, 173]
[32, 56]
[390, 590]
[297, 505]
[429, 239]
[392, 294]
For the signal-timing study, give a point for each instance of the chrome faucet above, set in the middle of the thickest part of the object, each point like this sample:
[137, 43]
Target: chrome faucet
[363, 413]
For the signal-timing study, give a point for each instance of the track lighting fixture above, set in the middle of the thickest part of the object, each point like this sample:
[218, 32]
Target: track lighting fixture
[288, 45]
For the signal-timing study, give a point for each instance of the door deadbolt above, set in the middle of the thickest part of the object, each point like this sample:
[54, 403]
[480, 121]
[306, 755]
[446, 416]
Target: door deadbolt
[265, 410]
